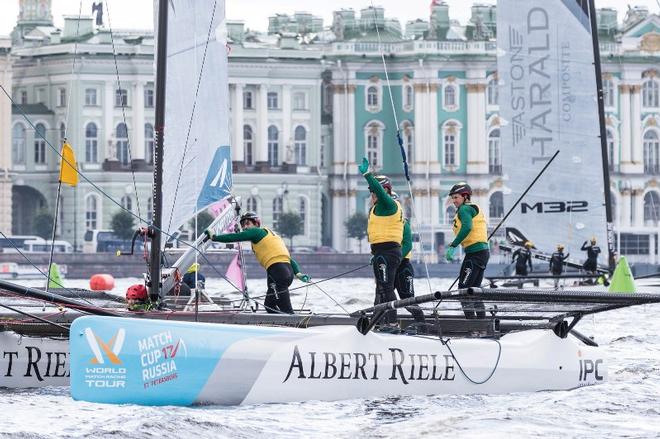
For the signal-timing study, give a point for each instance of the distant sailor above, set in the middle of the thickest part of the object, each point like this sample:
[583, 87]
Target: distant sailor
[273, 255]
[137, 298]
[405, 274]
[192, 274]
[471, 232]
[591, 264]
[523, 258]
[385, 233]
[557, 262]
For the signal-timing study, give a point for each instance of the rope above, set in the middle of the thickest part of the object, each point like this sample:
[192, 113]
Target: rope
[460, 367]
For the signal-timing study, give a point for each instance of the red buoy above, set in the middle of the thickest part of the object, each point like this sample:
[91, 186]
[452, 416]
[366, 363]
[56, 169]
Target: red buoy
[101, 282]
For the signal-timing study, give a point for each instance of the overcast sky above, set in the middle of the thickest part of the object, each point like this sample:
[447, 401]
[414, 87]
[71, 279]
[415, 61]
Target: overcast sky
[255, 13]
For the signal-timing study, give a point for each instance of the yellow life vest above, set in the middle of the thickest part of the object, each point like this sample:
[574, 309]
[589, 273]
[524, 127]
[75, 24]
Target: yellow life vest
[479, 232]
[385, 228]
[271, 250]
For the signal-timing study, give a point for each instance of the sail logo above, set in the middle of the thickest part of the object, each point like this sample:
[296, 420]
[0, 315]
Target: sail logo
[218, 181]
[105, 350]
[555, 207]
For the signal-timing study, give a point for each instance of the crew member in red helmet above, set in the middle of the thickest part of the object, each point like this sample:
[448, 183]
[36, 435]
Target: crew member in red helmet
[137, 298]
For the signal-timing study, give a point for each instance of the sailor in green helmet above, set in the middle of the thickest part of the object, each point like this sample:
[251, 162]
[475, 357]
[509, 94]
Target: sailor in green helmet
[471, 233]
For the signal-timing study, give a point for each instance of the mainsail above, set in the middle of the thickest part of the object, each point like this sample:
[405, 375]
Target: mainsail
[548, 102]
[196, 158]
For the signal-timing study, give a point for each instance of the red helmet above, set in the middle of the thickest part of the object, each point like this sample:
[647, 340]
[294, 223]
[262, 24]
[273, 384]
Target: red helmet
[136, 292]
[384, 181]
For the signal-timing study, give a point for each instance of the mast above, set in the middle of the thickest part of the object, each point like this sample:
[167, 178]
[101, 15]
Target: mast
[603, 136]
[161, 73]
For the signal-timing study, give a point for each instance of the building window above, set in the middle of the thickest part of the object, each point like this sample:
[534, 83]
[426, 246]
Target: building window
[451, 132]
[91, 143]
[40, 144]
[127, 203]
[90, 97]
[23, 98]
[372, 98]
[299, 101]
[273, 146]
[633, 244]
[494, 153]
[149, 143]
[121, 97]
[492, 92]
[272, 100]
[651, 152]
[61, 97]
[122, 143]
[496, 205]
[248, 101]
[373, 142]
[277, 211]
[650, 94]
[252, 205]
[610, 149]
[18, 144]
[300, 145]
[248, 143]
[149, 100]
[408, 137]
[62, 131]
[327, 98]
[41, 93]
[322, 151]
[91, 212]
[608, 92]
[408, 97]
[651, 208]
[450, 96]
[302, 211]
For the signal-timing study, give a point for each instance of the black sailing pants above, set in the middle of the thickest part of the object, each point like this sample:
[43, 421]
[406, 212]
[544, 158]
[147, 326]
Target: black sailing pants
[386, 261]
[405, 276]
[471, 275]
[279, 277]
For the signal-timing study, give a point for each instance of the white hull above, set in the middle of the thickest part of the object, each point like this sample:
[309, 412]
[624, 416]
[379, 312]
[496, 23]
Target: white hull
[33, 361]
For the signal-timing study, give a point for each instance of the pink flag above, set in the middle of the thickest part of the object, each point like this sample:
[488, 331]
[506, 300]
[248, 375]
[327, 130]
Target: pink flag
[235, 273]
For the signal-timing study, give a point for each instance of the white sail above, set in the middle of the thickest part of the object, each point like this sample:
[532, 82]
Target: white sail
[548, 103]
[196, 161]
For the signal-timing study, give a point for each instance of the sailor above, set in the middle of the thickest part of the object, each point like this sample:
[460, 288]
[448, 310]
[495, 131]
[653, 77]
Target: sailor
[523, 258]
[557, 262]
[405, 274]
[192, 274]
[137, 298]
[471, 232]
[272, 254]
[591, 264]
[385, 233]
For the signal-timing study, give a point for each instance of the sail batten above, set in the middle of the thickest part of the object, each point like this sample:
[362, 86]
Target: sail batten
[548, 102]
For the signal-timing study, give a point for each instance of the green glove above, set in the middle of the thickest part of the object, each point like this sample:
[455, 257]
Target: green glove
[303, 277]
[209, 234]
[364, 166]
[449, 254]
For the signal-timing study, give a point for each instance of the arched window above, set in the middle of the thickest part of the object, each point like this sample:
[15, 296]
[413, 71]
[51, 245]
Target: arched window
[610, 149]
[450, 96]
[248, 142]
[651, 152]
[408, 96]
[40, 144]
[122, 143]
[277, 211]
[372, 97]
[273, 146]
[300, 145]
[651, 208]
[450, 213]
[494, 153]
[608, 92]
[496, 205]
[450, 137]
[302, 211]
[149, 143]
[127, 203]
[252, 205]
[91, 212]
[492, 92]
[650, 93]
[18, 144]
[373, 142]
[91, 143]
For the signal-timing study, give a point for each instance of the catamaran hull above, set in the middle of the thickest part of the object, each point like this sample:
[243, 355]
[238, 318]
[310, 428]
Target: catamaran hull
[181, 363]
[33, 361]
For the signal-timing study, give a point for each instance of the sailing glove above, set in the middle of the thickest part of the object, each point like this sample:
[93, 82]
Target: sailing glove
[209, 234]
[364, 166]
[303, 277]
[449, 254]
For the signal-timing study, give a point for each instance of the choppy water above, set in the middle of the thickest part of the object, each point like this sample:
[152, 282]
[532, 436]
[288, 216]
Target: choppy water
[627, 406]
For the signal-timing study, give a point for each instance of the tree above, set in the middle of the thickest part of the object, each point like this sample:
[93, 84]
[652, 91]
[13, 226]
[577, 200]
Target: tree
[204, 220]
[356, 227]
[290, 225]
[42, 224]
[123, 225]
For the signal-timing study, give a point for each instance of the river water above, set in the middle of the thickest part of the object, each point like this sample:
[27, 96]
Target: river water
[626, 406]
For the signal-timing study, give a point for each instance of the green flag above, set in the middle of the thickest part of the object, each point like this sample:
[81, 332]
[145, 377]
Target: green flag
[622, 279]
[55, 277]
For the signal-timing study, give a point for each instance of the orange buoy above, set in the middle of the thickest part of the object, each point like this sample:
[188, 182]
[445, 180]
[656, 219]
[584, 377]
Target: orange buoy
[101, 282]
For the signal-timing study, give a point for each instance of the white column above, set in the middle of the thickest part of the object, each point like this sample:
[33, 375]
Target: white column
[624, 96]
[351, 129]
[476, 126]
[625, 208]
[638, 207]
[262, 124]
[287, 141]
[108, 120]
[339, 135]
[636, 128]
[137, 148]
[5, 147]
[237, 150]
[432, 129]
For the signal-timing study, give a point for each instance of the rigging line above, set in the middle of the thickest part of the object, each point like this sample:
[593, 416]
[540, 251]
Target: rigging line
[330, 278]
[401, 148]
[123, 112]
[35, 317]
[192, 114]
[73, 68]
[331, 298]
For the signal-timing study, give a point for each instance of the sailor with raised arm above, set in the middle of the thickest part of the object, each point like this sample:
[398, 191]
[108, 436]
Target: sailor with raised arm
[385, 233]
[591, 264]
[273, 255]
[523, 258]
[471, 233]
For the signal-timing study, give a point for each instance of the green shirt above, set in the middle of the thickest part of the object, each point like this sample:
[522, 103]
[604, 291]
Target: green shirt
[406, 243]
[385, 205]
[465, 214]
